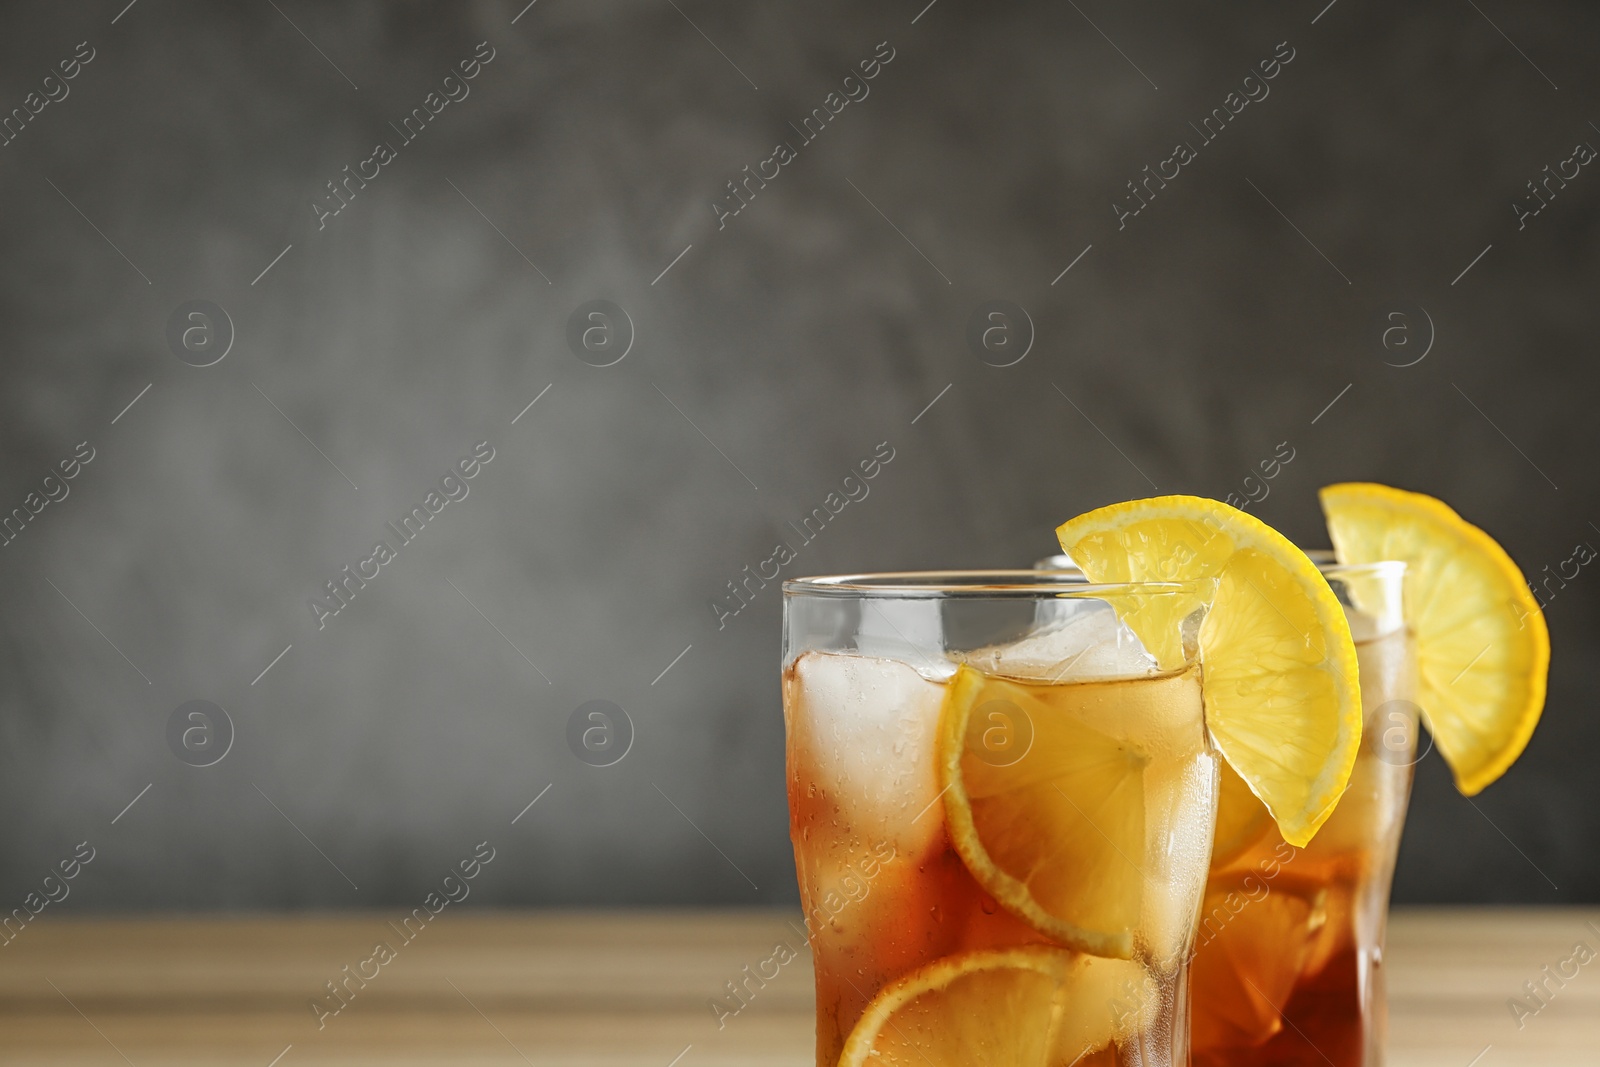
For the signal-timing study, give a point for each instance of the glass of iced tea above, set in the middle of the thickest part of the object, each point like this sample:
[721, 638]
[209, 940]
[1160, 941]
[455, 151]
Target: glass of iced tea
[1288, 968]
[1002, 812]
[1288, 959]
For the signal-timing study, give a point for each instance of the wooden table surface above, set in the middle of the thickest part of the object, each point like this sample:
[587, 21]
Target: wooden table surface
[627, 989]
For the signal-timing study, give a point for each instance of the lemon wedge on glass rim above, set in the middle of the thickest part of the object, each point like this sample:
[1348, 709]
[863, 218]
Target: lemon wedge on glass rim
[1483, 650]
[1281, 694]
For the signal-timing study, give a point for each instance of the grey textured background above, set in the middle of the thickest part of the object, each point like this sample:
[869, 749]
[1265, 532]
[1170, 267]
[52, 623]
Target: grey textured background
[797, 338]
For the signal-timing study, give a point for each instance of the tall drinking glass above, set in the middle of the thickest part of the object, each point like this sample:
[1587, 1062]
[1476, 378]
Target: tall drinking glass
[1288, 967]
[1002, 816]
[1288, 970]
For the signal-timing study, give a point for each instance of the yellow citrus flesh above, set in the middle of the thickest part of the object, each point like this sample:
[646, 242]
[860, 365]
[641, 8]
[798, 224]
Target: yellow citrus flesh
[1034, 1006]
[1254, 949]
[1055, 835]
[1102, 1000]
[1483, 651]
[1282, 701]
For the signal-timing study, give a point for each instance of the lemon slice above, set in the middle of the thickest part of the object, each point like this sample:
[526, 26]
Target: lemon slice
[1254, 947]
[1282, 700]
[1483, 651]
[1035, 1006]
[1053, 834]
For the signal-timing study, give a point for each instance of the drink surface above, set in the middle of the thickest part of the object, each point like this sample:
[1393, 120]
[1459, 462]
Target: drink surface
[1288, 962]
[887, 894]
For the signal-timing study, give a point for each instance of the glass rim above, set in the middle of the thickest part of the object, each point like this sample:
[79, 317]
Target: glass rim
[979, 585]
[1324, 560]
[1329, 565]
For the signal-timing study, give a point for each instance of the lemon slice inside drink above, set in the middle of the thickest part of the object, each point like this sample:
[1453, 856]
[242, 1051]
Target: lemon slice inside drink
[1483, 651]
[1056, 835]
[1034, 1006]
[1281, 694]
[1254, 949]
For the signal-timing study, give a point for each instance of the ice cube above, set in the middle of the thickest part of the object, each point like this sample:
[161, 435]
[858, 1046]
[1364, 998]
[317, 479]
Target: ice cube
[909, 630]
[863, 735]
[1084, 641]
[1180, 816]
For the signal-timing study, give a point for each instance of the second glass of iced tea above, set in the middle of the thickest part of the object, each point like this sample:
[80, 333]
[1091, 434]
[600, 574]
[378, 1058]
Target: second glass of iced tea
[1288, 968]
[1002, 816]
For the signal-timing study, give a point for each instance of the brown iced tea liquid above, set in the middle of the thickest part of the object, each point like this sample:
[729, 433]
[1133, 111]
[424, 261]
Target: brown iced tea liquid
[1288, 967]
[886, 893]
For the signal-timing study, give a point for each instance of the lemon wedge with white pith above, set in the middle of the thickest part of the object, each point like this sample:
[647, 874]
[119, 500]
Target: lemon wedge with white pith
[1035, 1006]
[1281, 693]
[1483, 651]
